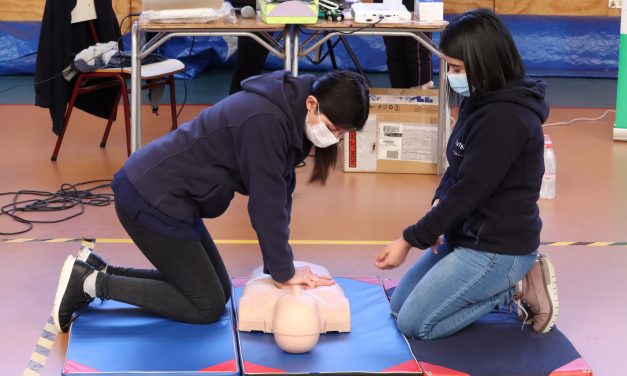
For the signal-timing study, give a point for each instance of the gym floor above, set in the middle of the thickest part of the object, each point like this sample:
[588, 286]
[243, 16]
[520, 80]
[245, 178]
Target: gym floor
[341, 225]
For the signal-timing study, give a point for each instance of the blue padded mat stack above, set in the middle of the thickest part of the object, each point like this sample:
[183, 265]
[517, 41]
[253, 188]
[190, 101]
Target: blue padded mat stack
[116, 339]
[374, 345]
[496, 345]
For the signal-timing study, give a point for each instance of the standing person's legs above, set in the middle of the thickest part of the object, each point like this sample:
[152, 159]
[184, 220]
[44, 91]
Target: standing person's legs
[397, 61]
[457, 290]
[425, 67]
[251, 57]
[191, 289]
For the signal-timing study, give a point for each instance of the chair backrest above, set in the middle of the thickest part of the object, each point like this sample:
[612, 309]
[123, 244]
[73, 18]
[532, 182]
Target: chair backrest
[85, 10]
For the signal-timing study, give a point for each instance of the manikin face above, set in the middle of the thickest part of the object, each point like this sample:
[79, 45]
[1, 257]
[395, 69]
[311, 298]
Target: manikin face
[315, 116]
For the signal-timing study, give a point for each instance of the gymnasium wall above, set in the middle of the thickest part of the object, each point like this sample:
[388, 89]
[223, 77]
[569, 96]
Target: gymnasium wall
[576, 38]
[31, 10]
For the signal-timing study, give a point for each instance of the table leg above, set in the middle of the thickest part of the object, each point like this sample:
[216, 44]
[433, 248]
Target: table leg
[444, 123]
[136, 88]
[287, 48]
[296, 37]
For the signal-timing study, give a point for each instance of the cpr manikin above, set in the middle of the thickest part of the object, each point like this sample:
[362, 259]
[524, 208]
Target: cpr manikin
[296, 316]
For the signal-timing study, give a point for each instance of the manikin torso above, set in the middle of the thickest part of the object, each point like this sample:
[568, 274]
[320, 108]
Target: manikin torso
[296, 316]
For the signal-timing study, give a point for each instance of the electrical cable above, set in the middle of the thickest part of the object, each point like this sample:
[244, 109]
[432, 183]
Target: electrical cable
[67, 197]
[567, 122]
[579, 119]
[381, 18]
[312, 61]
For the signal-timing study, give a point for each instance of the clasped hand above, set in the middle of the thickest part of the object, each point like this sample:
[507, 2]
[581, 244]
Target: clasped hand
[307, 279]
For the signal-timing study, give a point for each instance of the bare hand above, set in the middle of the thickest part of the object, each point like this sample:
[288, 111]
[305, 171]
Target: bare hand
[439, 242]
[307, 279]
[393, 255]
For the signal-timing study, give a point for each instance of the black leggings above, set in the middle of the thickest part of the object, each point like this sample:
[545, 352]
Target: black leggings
[190, 282]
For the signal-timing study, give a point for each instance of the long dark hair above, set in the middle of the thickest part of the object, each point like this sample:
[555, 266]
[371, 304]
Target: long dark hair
[481, 40]
[343, 98]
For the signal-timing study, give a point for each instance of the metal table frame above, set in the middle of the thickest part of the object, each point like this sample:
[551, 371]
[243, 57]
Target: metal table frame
[290, 51]
[165, 32]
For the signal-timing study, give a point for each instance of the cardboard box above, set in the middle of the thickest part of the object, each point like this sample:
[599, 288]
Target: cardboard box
[400, 135]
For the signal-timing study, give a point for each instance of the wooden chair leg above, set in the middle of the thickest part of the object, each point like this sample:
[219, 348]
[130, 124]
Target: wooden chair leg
[172, 102]
[68, 112]
[112, 117]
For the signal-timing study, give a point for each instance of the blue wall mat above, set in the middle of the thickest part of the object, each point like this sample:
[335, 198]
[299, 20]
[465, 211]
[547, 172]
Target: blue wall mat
[550, 46]
[117, 339]
[567, 46]
[18, 47]
[373, 346]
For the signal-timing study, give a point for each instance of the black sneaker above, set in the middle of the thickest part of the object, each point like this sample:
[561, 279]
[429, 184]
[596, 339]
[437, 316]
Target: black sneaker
[92, 259]
[70, 296]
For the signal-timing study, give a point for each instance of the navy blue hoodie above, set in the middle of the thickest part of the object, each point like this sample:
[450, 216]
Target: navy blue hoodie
[488, 195]
[249, 143]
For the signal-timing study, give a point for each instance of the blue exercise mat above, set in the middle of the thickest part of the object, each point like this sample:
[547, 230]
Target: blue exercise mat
[497, 345]
[114, 338]
[374, 345]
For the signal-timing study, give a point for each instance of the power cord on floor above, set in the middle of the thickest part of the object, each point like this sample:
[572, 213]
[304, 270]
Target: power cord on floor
[566, 122]
[579, 119]
[66, 198]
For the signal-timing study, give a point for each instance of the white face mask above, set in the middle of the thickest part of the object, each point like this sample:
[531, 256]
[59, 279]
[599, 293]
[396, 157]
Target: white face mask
[319, 134]
[459, 83]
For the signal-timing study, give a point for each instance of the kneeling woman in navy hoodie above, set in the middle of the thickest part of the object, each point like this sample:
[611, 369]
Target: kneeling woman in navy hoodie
[482, 232]
[250, 143]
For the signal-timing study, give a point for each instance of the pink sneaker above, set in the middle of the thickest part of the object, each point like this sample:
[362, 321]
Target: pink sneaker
[536, 296]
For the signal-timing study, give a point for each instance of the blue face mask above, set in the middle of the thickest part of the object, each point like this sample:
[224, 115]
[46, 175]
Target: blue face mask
[459, 83]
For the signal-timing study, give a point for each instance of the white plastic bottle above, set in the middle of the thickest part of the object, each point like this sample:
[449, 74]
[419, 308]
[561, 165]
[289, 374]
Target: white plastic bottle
[547, 191]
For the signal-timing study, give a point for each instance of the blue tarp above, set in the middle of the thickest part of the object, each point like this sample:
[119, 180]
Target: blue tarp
[549, 45]
[18, 47]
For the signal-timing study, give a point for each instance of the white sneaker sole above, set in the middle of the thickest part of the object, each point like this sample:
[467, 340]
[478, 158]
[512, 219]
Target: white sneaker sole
[66, 272]
[551, 288]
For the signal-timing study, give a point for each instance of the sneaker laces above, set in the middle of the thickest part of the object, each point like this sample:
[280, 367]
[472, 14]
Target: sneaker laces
[522, 309]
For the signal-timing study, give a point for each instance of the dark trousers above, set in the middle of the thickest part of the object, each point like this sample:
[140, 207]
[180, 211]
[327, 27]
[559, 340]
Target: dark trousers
[190, 282]
[251, 56]
[409, 63]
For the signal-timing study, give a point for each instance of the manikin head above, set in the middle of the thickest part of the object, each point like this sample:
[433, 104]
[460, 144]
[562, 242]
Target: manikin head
[296, 322]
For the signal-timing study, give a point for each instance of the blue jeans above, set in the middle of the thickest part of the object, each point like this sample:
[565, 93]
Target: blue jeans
[445, 292]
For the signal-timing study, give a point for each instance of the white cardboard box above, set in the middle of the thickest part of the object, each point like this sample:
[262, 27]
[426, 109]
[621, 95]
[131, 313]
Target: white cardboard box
[429, 10]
